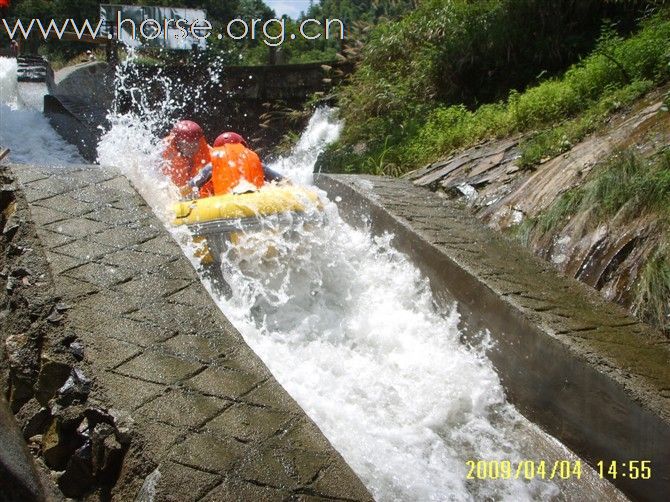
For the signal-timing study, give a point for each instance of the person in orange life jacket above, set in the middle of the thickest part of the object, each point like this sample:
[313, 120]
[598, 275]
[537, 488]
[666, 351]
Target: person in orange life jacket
[232, 162]
[186, 153]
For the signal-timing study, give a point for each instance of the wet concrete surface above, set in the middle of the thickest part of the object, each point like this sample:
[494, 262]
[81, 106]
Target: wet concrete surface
[208, 414]
[578, 366]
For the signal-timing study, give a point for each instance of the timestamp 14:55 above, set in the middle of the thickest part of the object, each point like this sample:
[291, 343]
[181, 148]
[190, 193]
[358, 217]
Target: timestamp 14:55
[631, 469]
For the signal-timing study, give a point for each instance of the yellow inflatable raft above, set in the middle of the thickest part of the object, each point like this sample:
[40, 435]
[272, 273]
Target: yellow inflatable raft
[220, 217]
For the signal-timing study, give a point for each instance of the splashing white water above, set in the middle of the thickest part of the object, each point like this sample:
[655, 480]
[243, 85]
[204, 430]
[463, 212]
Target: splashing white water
[321, 130]
[24, 130]
[348, 326]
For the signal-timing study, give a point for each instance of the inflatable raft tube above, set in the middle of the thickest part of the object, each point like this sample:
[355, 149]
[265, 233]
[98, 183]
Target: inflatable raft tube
[219, 218]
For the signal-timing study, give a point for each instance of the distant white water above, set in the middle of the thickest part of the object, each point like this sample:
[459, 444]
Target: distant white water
[23, 128]
[322, 129]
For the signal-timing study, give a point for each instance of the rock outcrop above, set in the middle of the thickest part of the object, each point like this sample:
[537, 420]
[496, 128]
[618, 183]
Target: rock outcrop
[490, 182]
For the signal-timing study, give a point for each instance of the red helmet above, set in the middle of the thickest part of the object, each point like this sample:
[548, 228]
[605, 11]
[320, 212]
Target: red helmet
[229, 137]
[187, 130]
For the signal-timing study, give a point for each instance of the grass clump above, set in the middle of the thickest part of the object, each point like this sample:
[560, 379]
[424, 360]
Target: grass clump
[652, 302]
[626, 186]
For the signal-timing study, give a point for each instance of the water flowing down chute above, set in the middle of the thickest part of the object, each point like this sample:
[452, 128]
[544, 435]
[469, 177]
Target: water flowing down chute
[349, 327]
[23, 129]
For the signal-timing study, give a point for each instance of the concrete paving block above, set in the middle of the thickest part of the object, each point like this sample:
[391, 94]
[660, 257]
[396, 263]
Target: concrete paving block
[99, 274]
[192, 295]
[133, 203]
[60, 262]
[238, 490]
[46, 187]
[182, 408]
[158, 367]
[77, 227]
[53, 239]
[249, 423]
[189, 318]
[114, 216]
[119, 184]
[223, 382]
[153, 315]
[125, 236]
[143, 284]
[179, 483]
[27, 174]
[163, 244]
[106, 303]
[94, 176]
[84, 249]
[93, 194]
[73, 290]
[176, 269]
[246, 361]
[161, 437]
[337, 482]
[107, 352]
[207, 349]
[66, 204]
[45, 215]
[270, 395]
[271, 467]
[83, 318]
[304, 435]
[134, 260]
[208, 452]
[128, 393]
[134, 332]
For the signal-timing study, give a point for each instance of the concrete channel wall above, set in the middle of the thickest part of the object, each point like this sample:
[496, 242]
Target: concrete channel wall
[576, 365]
[81, 96]
[208, 420]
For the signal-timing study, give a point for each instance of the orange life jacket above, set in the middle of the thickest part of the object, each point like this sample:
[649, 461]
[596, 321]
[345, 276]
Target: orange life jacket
[233, 162]
[181, 169]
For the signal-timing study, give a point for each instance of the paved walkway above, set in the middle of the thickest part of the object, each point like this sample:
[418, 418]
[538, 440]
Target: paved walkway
[212, 417]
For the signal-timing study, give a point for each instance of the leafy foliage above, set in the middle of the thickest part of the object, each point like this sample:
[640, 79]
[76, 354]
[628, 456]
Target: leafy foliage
[395, 106]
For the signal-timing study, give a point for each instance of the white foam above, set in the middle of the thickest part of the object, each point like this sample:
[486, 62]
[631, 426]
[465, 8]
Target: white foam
[349, 327]
[24, 130]
[322, 129]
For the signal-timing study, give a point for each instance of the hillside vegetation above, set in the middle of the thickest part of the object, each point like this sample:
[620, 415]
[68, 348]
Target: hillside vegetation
[454, 73]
